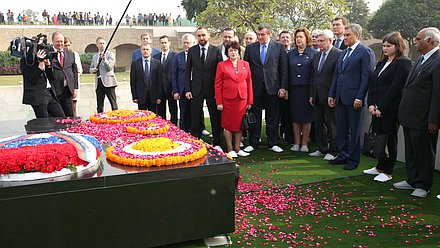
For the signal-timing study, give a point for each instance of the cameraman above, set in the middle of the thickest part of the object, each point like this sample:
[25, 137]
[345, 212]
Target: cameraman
[65, 73]
[37, 89]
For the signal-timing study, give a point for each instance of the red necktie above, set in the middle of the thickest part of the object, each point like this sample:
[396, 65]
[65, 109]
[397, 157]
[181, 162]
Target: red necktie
[61, 59]
[62, 64]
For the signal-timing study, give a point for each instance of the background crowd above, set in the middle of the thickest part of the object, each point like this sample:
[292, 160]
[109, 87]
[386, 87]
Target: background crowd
[88, 18]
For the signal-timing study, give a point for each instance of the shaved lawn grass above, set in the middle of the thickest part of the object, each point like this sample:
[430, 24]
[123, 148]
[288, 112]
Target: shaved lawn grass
[290, 199]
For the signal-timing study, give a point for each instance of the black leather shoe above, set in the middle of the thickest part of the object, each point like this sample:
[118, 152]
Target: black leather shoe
[338, 160]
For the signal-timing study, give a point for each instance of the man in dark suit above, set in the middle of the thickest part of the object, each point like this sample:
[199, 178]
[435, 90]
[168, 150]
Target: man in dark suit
[65, 73]
[145, 39]
[286, 128]
[178, 82]
[419, 114]
[166, 58]
[347, 93]
[146, 80]
[200, 72]
[268, 63]
[338, 26]
[37, 89]
[324, 64]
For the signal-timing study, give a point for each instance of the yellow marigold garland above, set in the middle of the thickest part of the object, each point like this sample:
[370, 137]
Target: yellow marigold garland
[152, 130]
[158, 161]
[123, 116]
[155, 145]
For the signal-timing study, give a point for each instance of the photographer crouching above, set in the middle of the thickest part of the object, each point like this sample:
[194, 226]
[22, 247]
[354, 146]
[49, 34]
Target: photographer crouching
[37, 88]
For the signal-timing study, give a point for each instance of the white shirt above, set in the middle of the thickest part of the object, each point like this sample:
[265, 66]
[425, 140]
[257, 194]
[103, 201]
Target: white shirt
[428, 54]
[384, 67]
[47, 80]
[328, 50]
[352, 49]
[224, 53]
[161, 56]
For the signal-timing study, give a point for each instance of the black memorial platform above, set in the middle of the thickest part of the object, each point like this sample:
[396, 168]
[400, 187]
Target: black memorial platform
[117, 206]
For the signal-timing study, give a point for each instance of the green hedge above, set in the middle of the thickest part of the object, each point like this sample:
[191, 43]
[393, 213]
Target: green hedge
[6, 59]
[10, 65]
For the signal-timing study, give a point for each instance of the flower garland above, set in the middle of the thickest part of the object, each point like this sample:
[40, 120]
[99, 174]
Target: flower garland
[44, 158]
[152, 127]
[155, 145]
[41, 153]
[188, 150]
[122, 116]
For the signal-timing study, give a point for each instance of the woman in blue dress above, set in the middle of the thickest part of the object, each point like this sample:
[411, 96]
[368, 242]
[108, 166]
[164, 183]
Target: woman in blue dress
[299, 61]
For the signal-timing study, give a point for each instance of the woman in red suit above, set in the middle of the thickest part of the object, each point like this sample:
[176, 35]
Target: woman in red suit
[233, 95]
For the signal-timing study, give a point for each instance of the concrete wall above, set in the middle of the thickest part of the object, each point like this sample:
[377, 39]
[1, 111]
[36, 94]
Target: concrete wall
[125, 41]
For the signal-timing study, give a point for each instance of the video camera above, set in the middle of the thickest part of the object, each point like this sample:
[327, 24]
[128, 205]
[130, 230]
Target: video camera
[28, 47]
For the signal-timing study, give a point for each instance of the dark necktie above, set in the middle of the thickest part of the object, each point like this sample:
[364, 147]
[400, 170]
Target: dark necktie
[263, 54]
[347, 54]
[163, 58]
[202, 58]
[419, 63]
[338, 43]
[321, 62]
[146, 71]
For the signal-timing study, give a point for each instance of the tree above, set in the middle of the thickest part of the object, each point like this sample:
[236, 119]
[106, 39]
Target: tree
[312, 14]
[405, 16]
[193, 7]
[358, 12]
[245, 15]
[240, 15]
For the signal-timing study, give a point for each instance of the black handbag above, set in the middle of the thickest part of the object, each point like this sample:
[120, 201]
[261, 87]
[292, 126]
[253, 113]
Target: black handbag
[375, 144]
[380, 146]
[248, 119]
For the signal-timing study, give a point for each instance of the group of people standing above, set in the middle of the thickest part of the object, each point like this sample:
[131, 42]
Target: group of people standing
[151, 19]
[52, 78]
[328, 78]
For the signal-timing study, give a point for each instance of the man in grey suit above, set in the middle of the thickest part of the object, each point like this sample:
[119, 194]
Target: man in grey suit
[105, 82]
[324, 64]
[419, 114]
[268, 62]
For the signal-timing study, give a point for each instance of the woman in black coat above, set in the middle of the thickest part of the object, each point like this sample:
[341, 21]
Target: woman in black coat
[384, 96]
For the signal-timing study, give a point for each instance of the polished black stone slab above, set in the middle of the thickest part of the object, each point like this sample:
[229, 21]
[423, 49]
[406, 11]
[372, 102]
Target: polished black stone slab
[117, 206]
